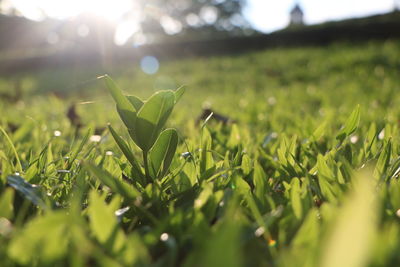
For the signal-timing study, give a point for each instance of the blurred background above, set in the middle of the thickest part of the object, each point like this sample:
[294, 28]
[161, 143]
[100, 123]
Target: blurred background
[38, 33]
[287, 73]
[60, 47]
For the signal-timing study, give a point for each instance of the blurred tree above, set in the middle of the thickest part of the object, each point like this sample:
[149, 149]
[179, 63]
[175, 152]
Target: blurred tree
[191, 18]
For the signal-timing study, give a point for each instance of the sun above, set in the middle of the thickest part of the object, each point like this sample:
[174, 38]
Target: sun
[111, 10]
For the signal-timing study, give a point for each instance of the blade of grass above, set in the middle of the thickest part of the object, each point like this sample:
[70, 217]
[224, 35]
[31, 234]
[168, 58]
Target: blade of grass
[13, 149]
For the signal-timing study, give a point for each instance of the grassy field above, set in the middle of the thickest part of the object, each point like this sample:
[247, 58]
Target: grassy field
[306, 175]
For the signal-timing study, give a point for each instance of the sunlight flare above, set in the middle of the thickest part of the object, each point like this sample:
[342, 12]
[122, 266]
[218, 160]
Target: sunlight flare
[38, 9]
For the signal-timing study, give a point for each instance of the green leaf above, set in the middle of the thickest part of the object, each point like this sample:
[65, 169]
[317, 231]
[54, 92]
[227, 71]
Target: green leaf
[260, 183]
[350, 238]
[13, 149]
[295, 198]
[29, 191]
[320, 131]
[77, 149]
[304, 246]
[246, 165]
[351, 124]
[223, 247]
[323, 168]
[24, 131]
[118, 186]
[205, 194]
[309, 231]
[370, 140]
[384, 160]
[206, 159]
[234, 138]
[151, 119]
[136, 102]
[179, 93]
[125, 108]
[327, 189]
[104, 223]
[45, 238]
[240, 186]
[162, 152]
[6, 204]
[127, 152]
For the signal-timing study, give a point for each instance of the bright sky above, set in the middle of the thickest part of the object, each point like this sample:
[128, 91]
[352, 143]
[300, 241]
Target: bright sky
[270, 15]
[265, 15]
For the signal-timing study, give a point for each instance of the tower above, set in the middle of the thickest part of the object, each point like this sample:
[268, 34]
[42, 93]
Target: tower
[296, 16]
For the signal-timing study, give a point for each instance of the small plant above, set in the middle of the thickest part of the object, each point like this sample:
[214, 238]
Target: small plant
[145, 121]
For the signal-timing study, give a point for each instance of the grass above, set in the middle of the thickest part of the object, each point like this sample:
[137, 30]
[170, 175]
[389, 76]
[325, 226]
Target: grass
[307, 176]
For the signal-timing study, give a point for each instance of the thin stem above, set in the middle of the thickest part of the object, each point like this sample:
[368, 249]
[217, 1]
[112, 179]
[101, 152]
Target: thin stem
[146, 166]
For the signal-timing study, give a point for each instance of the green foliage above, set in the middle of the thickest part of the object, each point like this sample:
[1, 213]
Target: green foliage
[162, 153]
[145, 121]
[354, 228]
[44, 240]
[307, 175]
[351, 125]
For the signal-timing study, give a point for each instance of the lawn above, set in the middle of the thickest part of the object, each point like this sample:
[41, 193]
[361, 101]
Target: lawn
[304, 173]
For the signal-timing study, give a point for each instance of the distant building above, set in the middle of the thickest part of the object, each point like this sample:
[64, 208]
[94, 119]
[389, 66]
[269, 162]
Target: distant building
[396, 5]
[296, 16]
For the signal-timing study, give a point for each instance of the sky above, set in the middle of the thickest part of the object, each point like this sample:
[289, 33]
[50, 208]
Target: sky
[270, 15]
[264, 15]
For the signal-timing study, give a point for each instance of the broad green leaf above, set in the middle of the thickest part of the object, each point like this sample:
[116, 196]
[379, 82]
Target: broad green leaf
[179, 93]
[103, 223]
[127, 152]
[351, 124]
[163, 151]
[151, 118]
[116, 93]
[128, 117]
[136, 102]
[29, 191]
[6, 204]
[350, 239]
[45, 238]
[125, 108]
[118, 186]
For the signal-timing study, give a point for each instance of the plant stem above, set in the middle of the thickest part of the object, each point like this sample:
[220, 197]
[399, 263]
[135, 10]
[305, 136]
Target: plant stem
[146, 166]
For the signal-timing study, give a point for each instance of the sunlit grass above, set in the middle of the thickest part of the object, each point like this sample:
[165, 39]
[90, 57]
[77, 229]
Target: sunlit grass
[306, 176]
